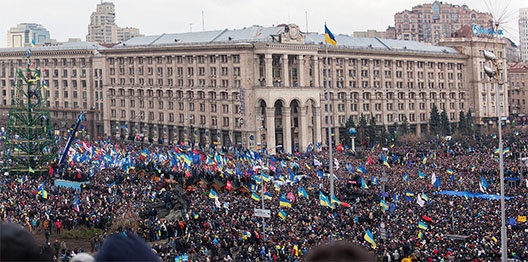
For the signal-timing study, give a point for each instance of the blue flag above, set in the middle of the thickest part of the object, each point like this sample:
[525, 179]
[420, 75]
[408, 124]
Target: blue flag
[512, 221]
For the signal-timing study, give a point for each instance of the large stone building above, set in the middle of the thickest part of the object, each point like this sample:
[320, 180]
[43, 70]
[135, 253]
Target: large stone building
[433, 22]
[265, 85]
[25, 33]
[74, 85]
[518, 91]
[523, 33]
[103, 29]
[257, 86]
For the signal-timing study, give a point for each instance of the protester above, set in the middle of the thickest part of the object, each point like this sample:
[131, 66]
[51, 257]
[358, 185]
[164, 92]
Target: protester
[414, 220]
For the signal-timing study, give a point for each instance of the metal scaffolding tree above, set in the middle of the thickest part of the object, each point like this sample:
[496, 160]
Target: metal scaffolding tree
[29, 144]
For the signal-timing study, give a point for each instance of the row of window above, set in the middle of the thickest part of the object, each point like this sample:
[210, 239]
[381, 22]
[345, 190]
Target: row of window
[399, 95]
[237, 109]
[178, 93]
[47, 72]
[65, 62]
[181, 118]
[391, 107]
[201, 59]
[390, 118]
[224, 71]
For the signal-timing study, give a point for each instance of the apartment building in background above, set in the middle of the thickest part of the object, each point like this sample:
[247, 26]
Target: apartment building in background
[103, 29]
[23, 34]
[433, 22]
[523, 33]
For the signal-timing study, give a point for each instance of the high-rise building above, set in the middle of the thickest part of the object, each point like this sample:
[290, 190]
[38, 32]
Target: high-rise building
[523, 33]
[103, 29]
[433, 22]
[23, 34]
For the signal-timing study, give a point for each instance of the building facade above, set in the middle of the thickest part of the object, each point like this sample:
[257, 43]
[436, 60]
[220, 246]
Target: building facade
[74, 85]
[257, 86]
[433, 22]
[481, 89]
[518, 91]
[523, 33]
[23, 34]
[265, 86]
[103, 29]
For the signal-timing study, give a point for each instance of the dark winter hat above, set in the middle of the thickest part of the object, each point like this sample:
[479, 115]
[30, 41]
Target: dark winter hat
[17, 244]
[339, 251]
[125, 247]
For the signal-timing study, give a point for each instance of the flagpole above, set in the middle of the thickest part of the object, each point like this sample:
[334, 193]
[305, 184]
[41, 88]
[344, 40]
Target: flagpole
[327, 81]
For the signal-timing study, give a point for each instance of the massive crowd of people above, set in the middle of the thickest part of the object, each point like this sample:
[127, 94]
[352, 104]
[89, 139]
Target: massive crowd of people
[392, 191]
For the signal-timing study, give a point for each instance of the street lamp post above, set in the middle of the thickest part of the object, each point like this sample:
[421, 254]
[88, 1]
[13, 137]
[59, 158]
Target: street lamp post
[496, 75]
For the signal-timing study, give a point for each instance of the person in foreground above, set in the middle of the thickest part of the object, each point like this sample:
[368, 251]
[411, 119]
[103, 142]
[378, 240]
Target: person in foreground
[125, 247]
[17, 244]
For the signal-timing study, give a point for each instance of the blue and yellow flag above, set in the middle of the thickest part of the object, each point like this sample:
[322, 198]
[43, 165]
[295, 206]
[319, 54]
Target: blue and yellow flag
[268, 196]
[449, 171]
[369, 238]
[384, 205]
[363, 184]
[255, 197]
[329, 37]
[277, 186]
[506, 151]
[422, 225]
[31, 170]
[285, 202]
[282, 215]
[324, 201]
[213, 194]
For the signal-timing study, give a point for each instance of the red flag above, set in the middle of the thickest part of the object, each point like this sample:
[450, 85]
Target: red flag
[426, 218]
[369, 161]
[187, 173]
[345, 204]
[339, 147]
[51, 171]
[228, 185]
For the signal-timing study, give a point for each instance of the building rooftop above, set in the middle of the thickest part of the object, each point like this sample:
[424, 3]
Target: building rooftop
[255, 34]
[62, 46]
[519, 66]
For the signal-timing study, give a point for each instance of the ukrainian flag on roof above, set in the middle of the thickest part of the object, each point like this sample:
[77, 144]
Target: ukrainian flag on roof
[329, 37]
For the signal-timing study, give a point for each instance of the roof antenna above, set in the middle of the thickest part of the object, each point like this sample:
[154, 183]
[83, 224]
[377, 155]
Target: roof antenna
[306, 17]
[203, 21]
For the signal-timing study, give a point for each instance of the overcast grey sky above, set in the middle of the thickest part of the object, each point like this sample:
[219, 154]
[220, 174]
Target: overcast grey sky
[69, 18]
